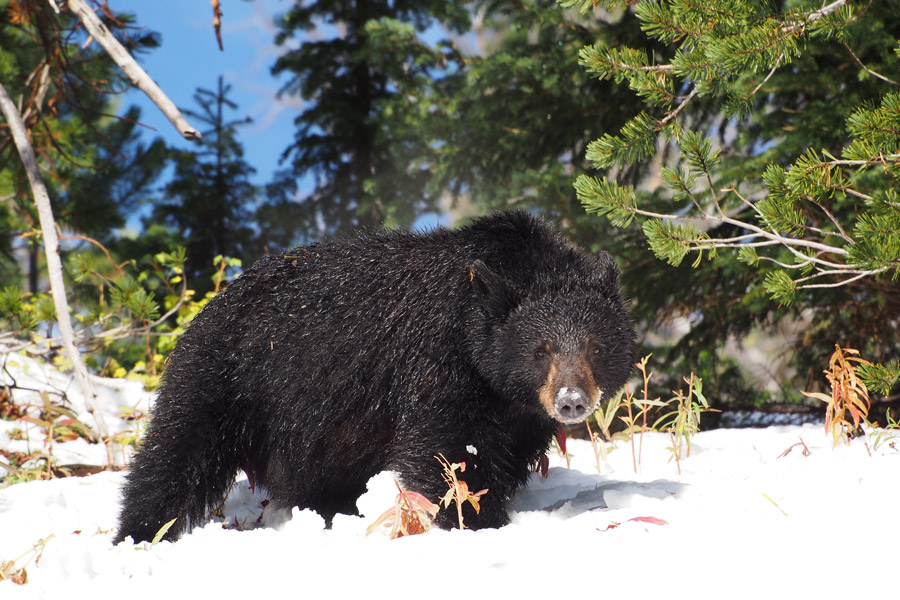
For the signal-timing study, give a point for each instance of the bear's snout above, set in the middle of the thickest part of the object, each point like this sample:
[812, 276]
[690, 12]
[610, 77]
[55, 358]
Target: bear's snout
[572, 405]
[569, 393]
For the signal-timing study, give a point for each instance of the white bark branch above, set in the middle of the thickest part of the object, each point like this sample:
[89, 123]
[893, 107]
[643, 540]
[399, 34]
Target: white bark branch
[54, 264]
[126, 62]
[815, 16]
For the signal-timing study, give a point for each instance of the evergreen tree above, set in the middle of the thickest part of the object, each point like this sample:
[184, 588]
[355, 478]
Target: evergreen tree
[207, 206]
[358, 167]
[95, 165]
[778, 128]
[514, 128]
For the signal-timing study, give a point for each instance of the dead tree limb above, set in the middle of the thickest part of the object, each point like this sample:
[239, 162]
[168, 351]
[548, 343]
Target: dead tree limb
[54, 263]
[126, 62]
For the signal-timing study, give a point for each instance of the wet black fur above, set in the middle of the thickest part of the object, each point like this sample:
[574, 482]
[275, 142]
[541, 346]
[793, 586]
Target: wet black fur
[322, 366]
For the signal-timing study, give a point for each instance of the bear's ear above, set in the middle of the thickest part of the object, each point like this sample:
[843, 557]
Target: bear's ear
[607, 271]
[492, 291]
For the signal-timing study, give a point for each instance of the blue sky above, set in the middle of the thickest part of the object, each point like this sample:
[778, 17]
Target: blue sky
[189, 58]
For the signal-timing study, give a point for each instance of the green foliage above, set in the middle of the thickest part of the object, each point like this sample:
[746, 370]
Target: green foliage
[880, 378]
[128, 316]
[96, 167]
[669, 240]
[19, 310]
[606, 197]
[877, 235]
[683, 421]
[441, 123]
[635, 142]
[365, 89]
[206, 207]
[129, 295]
[773, 129]
[698, 152]
[884, 435]
[875, 130]
[781, 287]
[633, 66]
[584, 6]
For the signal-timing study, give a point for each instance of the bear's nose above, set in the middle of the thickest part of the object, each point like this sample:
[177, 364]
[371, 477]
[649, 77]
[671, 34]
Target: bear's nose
[571, 405]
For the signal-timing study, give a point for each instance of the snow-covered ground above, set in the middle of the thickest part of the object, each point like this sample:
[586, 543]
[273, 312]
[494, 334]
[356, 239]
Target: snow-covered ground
[742, 520]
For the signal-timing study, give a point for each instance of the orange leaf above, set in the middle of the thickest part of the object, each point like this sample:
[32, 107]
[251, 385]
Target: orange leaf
[818, 396]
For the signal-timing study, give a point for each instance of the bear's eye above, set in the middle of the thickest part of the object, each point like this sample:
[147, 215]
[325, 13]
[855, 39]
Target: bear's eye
[597, 349]
[540, 354]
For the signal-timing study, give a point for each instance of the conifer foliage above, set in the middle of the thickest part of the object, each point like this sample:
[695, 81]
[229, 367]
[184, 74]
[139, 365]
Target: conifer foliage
[352, 144]
[777, 125]
[207, 204]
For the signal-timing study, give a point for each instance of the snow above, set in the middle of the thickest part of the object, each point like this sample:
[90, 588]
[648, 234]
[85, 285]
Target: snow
[742, 520]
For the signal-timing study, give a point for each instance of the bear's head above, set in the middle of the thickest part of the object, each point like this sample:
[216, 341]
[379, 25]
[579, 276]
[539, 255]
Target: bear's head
[559, 341]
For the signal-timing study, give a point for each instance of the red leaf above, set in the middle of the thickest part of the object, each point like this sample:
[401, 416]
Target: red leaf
[561, 439]
[652, 520]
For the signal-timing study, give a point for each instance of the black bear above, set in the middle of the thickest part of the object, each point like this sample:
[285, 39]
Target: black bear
[324, 365]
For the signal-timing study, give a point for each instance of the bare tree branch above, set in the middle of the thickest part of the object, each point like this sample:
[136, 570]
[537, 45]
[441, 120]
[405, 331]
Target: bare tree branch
[680, 107]
[865, 68]
[768, 77]
[54, 264]
[126, 62]
[815, 16]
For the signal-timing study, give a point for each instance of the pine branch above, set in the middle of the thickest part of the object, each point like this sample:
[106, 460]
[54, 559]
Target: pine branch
[589, 193]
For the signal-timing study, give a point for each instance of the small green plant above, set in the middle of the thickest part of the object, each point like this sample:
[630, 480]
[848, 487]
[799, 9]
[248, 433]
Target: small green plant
[603, 417]
[684, 420]
[130, 437]
[459, 490]
[849, 395]
[879, 436]
[128, 315]
[643, 406]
